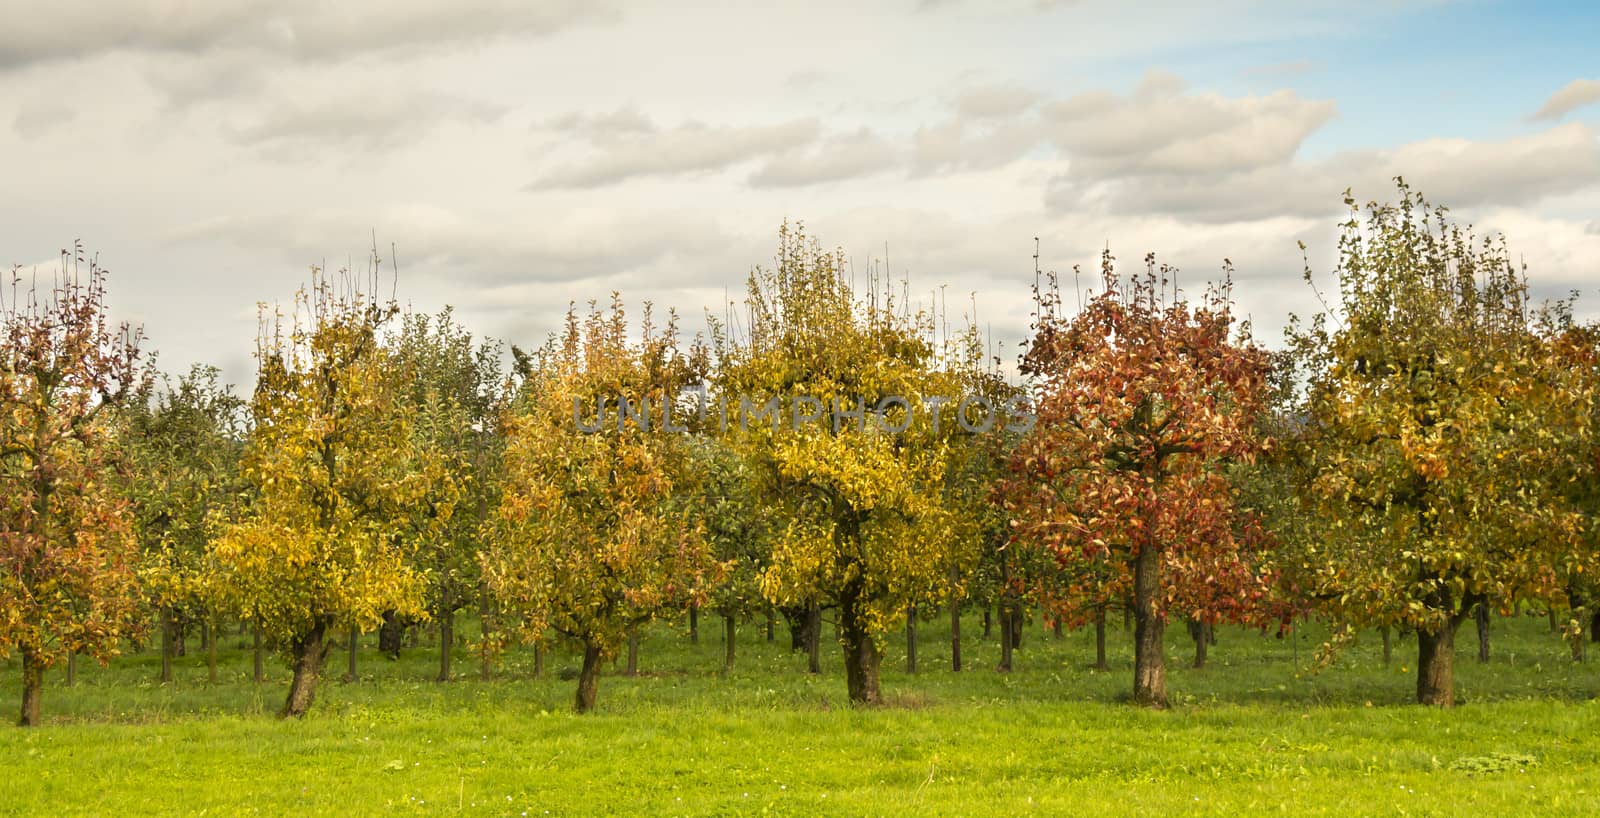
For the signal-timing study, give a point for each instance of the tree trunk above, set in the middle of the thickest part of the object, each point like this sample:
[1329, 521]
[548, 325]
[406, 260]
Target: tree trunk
[1055, 628]
[352, 644]
[860, 652]
[1579, 615]
[1007, 622]
[1017, 622]
[694, 624]
[796, 618]
[1149, 660]
[588, 678]
[772, 624]
[808, 636]
[988, 622]
[1197, 632]
[1594, 627]
[911, 639]
[1480, 617]
[814, 641]
[205, 634]
[308, 652]
[485, 631]
[391, 635]
[730, 631]
[955, 636]
[538, 658]
[166, 645]
[32, 686]
[1100, 640]
[447, 642]
[257, 657]
[211, 650]
[1555, 621]
[72, 669]
[1436, 668]
[633, 653]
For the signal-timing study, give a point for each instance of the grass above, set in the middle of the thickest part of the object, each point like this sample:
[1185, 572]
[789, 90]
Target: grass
[1256, 732]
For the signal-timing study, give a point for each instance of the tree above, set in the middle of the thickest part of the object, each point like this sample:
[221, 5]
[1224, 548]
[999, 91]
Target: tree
[68, 554]
[981, 565]
[184, 447]
[720, 494]
[1575, 355]
[339, 486]
[454, 397]
[1438, 429]
[588, 541]
[866, 529]
[1142, 402]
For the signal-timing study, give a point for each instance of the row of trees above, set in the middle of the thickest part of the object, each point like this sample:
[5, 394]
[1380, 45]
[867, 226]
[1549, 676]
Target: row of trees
[1421, 450]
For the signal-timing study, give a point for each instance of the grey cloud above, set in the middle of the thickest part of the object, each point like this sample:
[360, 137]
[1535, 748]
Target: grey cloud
[370, 119]
[38, 117]
[994, 102]
[849, 156]
[305, 29]
[1158, 129]
[622, 121]
[1460, 173]
[1573, 95]
[957, 146]
[1245, 196]
[1159, 84]
[627, 146]
[190, 80]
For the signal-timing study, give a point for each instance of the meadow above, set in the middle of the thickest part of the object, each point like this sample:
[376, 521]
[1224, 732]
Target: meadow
[1260, 730]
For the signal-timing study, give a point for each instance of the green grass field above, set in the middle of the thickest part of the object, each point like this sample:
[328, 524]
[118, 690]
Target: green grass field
[1256, 732]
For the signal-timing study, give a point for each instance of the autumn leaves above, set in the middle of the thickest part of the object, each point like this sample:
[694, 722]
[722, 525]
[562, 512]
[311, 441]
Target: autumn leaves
[1423, 449]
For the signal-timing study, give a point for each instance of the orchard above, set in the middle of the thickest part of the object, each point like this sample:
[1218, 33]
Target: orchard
[899, 536]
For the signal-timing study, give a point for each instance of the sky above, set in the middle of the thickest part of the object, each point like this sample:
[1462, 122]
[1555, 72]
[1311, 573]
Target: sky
[521, 155]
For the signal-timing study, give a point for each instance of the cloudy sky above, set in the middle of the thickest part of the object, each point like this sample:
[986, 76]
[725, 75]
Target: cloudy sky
[521, 154]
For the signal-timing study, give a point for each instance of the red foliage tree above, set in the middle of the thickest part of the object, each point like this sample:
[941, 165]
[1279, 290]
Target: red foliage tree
[1144, 402]
[67, 549]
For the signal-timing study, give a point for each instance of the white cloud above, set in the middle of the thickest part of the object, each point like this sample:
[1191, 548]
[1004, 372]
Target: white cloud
[472, 250]
[1572, 96]
[1562, 254]
[1282, 70]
